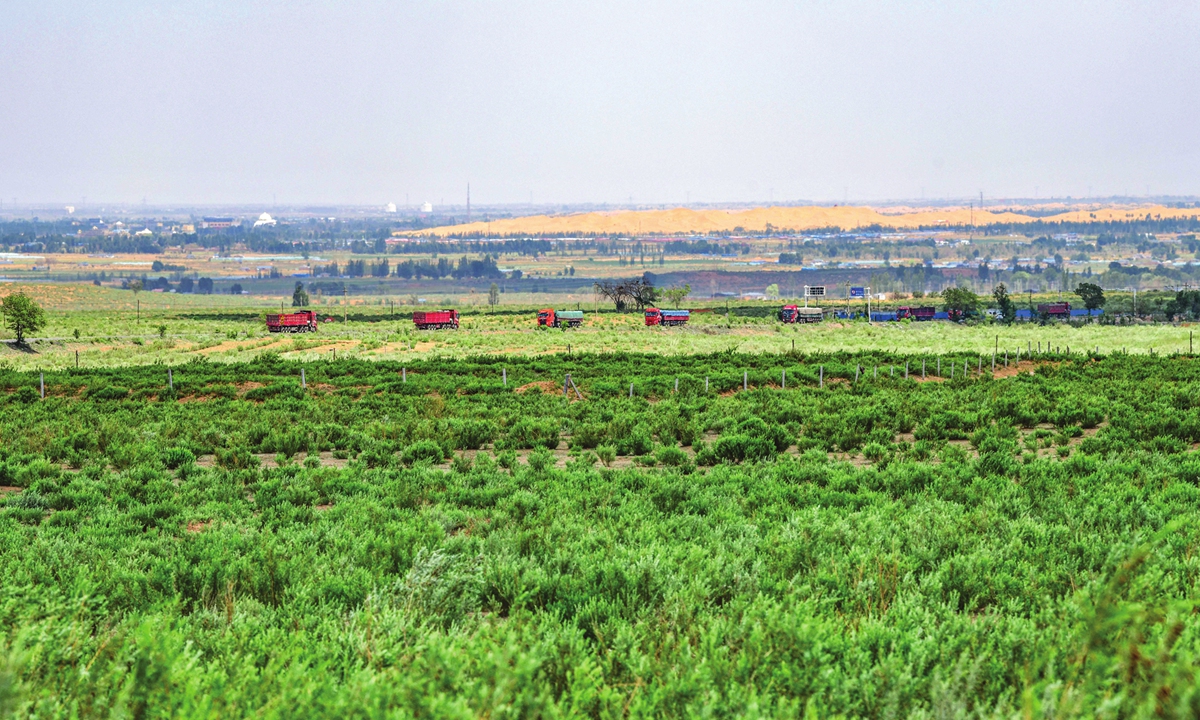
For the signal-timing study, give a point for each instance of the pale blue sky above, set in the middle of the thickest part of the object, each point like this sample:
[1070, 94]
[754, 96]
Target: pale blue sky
[363, 102]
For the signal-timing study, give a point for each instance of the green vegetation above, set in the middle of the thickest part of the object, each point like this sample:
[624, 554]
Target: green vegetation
[22, 315]
[387, 540]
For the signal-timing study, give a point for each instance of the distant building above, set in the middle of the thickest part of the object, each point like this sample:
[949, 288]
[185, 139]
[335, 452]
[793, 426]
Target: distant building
[216, 223]
[426, 207]
[144, 232]
[390, 207]
[264, 220]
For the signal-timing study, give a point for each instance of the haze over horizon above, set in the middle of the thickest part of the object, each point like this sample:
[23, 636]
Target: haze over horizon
[368, 103]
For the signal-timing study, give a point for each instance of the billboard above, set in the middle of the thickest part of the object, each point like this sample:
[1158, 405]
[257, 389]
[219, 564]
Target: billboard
[857, 292]
[814, 290]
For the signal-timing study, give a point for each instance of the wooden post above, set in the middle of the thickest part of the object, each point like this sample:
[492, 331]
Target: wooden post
[43, 384]
[783, 379]
[939, 370]
[567, 385]
[922, 368]
[676, 384]
[403, 374]
[303, 380]
[568, 348]
[1006, 357]
[820, 376]
[905, 369]
[745, 379]
[793, 344]
[951, 371]
[993, 361]
[630, 391]
[979, 370]
[504, 376]
[76, 359]
[170, 380]
[705, 383]
[856, 369]
[875, 373]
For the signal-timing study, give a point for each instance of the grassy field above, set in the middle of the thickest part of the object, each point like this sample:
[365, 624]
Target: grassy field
[177, 328]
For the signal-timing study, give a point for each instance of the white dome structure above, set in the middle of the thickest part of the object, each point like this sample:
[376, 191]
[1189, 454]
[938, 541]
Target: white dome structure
[390, 208]
[264, 219]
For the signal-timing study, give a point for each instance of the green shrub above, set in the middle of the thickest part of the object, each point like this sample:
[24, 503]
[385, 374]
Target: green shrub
[423, 451]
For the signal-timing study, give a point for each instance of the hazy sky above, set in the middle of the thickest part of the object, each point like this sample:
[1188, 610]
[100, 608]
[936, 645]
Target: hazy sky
[364, 102]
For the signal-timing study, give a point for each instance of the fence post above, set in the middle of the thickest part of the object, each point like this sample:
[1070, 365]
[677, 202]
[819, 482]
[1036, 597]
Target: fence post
[170, 380]
[76, 359]
[922, 368]
[857, 367]
[979, 370]
[939, 370]
[303, 380]
[42, 381]
[676, 384]
[745, 379]
[705, 383]
[905, 369]
[630, 391]
[820, 376]
[1006, 357]
[504, 376]
[404, 374]
[567, 385]
[793, 344]
[993, 361]
[783, 379]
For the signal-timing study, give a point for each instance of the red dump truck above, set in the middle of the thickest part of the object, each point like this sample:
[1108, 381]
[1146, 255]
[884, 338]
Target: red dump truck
[562, 318]
[436, 320]
[654, 316]
[916, 313]
[797, 314]
[303, 321]
[1055, 310]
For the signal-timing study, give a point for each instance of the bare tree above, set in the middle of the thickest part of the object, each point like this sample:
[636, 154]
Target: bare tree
[638, 292]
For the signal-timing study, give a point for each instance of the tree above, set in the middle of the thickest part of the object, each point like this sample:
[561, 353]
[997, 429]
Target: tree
[960, 302]
[235, 289]
[772, 290]
[135, 286]
[299, 296]
[639, 292]
[1007, 308]
[676, 295]
[22, 315]
[1091, 294]
[204, 286]
[494, 295]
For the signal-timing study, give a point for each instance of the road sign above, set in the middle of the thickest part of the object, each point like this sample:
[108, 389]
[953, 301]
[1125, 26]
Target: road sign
[814, 290]
[857, 292]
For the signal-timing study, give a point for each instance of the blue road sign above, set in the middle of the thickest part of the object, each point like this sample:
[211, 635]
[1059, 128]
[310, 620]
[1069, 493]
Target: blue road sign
[858, 292]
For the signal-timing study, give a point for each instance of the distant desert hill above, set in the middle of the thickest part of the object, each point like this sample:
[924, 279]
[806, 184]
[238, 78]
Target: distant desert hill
[683, 220]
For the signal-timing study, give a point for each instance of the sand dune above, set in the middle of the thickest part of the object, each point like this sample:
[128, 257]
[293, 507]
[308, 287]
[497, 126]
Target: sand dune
[683, 220]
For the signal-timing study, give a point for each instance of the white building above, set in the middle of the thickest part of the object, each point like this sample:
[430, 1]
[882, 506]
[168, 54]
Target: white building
[426, 207]
[264, 219]
[390, 207]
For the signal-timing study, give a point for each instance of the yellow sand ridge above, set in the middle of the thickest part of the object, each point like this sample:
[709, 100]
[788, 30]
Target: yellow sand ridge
[756, 220]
